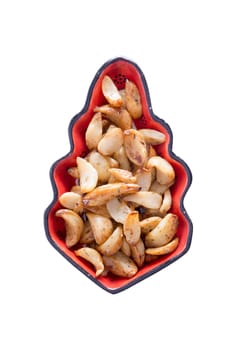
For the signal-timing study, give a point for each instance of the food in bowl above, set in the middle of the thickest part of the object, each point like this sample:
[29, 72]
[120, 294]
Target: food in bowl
[118, 213]
[120, 199]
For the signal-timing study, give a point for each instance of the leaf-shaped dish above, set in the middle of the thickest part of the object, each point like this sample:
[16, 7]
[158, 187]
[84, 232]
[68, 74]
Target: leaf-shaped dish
[119, 69]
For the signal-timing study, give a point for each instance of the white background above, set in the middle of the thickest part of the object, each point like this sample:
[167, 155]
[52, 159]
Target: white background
[50, 52]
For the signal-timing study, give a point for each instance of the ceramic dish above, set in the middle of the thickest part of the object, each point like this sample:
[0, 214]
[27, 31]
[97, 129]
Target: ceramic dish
[119, 69]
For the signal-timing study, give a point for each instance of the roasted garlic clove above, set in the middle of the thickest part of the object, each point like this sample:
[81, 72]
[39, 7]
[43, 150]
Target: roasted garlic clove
[101, 226]
[110, 92]
[111, 141]
[101, 164]
[133, 99]
[118, 116]
[149, 224]
[73, 225]
[74, 172]
[122, 175]
[125, 247]
[87, 235]
[157, 187]
[88, 175]
[152, 136]
[135, 147]
[122, 93]
[143, 178]
[93, 257]
[165, 249]
[165, 173]
[163, 232]
[71, 200]
[122, 158]
[102, 194]
[99, 210]
[131, 228]
[113, 242]
[166, 202]
[146, 199]
[120, 265]
[138, 253]
[118, 209]
[94, 131]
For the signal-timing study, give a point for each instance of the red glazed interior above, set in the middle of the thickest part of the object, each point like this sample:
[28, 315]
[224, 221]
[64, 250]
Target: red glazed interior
[118, 70]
